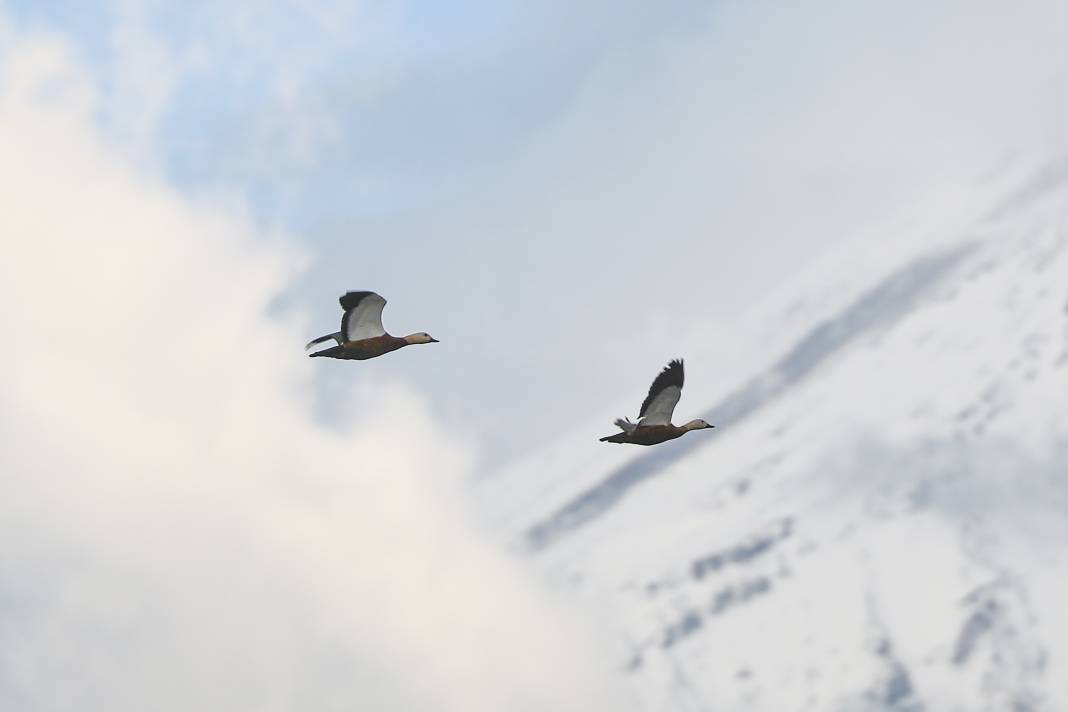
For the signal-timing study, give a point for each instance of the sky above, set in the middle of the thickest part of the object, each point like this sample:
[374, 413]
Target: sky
[566, 195]
[560, 191]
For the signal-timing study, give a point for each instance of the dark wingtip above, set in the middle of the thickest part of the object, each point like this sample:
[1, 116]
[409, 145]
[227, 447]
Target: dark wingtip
[671, 375]
[349, 300]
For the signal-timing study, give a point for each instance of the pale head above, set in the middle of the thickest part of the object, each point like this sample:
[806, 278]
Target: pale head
[421, 338]
[697, 424]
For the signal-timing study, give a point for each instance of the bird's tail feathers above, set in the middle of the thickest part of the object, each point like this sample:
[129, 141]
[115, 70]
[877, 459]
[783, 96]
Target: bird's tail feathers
[335, 336]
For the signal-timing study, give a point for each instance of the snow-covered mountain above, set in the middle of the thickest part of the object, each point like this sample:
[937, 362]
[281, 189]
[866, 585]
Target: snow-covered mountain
[880, 520]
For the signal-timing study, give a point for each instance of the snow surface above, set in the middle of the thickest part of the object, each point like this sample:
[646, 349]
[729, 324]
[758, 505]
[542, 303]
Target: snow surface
[879, 520]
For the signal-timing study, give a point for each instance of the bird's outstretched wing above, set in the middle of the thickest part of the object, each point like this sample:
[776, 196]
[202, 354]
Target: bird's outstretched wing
[663, 396]
[363, 315]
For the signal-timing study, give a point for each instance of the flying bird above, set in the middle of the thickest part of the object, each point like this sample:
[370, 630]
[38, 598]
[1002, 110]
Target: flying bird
[362, 336]
[654, 419]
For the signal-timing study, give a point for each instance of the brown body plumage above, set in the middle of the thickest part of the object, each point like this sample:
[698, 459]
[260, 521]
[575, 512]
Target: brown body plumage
[647, 435]
[364, 348]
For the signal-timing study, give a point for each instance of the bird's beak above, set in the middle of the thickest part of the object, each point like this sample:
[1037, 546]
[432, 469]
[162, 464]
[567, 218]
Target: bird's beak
[434, 341]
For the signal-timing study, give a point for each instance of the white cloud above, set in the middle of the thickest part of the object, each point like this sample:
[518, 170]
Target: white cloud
[179, 533]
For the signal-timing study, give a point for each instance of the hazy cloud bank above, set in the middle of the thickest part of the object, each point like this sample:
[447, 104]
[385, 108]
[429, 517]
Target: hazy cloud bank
[179, 532]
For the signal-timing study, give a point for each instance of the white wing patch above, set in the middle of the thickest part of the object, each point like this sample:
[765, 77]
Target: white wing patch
[365, 321]
[662, 406]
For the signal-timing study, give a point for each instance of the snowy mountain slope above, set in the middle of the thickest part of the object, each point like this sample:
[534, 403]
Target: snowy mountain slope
[885, 303]
[879, 522]
[757, 340]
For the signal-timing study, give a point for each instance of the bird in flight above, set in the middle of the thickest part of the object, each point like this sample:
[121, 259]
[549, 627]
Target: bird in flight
[362, 336]
[654, 419]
